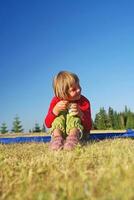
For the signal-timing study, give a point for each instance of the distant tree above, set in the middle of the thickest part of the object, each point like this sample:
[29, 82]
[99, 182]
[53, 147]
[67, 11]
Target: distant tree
[130, 120]
[122, 121]
[3, 128]
[17, 127]
[101, 119]
[116, 121]
[110, 120]
[125, 114]
[37, 128]
[93, 124]
[43, 128]
[96, 121]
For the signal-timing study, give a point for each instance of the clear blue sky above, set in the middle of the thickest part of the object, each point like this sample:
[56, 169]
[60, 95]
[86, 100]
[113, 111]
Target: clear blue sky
[38, 38]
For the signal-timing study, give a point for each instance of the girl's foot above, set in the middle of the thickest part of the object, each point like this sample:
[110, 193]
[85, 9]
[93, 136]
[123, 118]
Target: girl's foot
[57, 143]
[71, 142]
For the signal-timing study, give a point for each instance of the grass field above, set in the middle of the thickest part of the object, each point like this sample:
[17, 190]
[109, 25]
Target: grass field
[98, 170]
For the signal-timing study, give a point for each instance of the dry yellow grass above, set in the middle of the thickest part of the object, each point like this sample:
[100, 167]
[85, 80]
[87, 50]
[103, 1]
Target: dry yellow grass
[98, 171]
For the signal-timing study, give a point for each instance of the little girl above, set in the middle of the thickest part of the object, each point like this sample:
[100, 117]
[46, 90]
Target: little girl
[69, 116]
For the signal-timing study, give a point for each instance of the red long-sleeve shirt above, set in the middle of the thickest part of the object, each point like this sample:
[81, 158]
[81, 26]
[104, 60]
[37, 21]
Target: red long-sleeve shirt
[84, 106]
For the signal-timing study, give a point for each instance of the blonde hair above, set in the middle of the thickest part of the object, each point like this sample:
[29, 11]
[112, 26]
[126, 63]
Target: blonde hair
[62, 82]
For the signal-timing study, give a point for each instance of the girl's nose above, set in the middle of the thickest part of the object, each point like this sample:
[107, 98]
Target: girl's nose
[78, 90]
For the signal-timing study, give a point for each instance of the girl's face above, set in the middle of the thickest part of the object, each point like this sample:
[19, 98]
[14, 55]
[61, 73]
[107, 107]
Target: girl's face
[74, 92]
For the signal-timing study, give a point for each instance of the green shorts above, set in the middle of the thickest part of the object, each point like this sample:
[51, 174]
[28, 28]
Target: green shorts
[65, 122]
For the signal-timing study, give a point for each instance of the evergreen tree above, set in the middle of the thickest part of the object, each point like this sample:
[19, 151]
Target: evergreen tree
[126, 110]
[110, 121]
[122, 121]
[96, 121]
[36, 128]
[101, 120]
[17, 127]
[43, 128]
[3, 128]
[125, 114]
[113, 119]
[116, 121]
[130, 120]
[93, 124]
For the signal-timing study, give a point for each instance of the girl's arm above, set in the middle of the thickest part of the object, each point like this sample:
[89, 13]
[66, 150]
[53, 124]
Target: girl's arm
[86, 114]
[56, 106]
[50, 115]
[86, 120]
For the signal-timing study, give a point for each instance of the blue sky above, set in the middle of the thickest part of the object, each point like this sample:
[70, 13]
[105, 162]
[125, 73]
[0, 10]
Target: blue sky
[38, 38]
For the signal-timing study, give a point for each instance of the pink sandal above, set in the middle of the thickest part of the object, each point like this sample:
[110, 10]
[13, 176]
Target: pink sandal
[71, 142]
[57, 143]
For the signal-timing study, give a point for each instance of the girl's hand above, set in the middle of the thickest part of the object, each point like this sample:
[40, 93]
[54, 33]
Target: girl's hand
[60, 106]
[75, 110]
